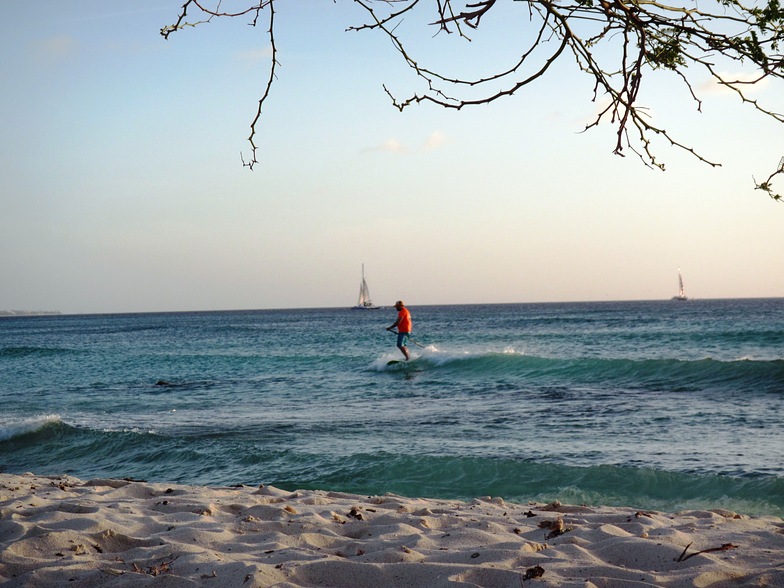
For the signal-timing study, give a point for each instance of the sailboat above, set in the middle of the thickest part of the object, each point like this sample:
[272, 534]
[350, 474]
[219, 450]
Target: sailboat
[681, 292]
[364, 302]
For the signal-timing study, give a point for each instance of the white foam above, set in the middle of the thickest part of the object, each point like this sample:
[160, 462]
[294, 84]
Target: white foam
[13, 429]
[432, 355]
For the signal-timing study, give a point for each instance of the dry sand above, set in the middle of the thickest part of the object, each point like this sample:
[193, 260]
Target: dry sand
[61, 531]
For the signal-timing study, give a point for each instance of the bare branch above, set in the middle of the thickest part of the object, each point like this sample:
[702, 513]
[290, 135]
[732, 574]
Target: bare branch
[273, 65]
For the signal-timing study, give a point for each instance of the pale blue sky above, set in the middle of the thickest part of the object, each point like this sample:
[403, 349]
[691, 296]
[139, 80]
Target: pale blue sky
[122, 190]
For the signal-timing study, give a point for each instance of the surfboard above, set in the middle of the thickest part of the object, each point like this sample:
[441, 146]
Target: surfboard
[394, 361]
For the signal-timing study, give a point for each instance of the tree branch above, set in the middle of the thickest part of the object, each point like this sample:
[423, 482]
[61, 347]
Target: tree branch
[615, 42]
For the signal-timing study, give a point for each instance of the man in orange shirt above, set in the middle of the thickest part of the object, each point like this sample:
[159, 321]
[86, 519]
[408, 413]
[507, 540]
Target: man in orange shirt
[403, 324]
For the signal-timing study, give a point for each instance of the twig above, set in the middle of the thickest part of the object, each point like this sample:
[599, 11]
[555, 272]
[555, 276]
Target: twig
[684, 557]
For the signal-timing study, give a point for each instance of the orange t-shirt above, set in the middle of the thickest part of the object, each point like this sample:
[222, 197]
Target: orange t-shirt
[404, 321]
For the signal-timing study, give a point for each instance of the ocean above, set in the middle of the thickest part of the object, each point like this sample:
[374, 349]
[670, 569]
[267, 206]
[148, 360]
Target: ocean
[659, 405]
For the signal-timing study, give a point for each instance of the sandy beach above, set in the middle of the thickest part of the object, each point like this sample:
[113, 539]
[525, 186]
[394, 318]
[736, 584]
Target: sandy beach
[62, 531]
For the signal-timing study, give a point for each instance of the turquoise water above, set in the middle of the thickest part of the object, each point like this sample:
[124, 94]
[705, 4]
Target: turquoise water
[660, 405]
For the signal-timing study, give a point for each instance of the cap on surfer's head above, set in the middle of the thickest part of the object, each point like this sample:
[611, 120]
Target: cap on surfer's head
[399, 303]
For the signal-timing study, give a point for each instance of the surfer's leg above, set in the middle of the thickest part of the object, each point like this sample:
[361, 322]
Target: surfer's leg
[402, 339]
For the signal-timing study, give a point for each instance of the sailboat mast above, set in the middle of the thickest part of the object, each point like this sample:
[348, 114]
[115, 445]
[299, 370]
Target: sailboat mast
[361, 299]
[364, 291]
[681, 290]
[364, 300]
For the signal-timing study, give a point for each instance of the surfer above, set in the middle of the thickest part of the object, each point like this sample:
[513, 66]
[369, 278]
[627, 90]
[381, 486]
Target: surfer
[403, 324]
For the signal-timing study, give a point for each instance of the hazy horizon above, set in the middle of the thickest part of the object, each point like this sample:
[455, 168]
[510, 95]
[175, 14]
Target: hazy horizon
[382, 307]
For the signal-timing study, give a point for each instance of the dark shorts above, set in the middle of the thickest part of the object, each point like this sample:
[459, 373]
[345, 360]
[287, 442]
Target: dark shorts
[402, 339]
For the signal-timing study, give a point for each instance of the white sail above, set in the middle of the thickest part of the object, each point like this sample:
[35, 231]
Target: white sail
[681, 292]
[364, 302]
[364, 293]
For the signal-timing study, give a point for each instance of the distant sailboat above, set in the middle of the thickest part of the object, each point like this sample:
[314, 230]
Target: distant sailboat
[681, 292]
[364, 302]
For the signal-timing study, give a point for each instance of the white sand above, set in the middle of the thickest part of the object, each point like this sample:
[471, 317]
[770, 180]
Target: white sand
[61, 531]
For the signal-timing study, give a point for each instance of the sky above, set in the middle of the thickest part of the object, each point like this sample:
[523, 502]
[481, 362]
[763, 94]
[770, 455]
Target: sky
[122, 188]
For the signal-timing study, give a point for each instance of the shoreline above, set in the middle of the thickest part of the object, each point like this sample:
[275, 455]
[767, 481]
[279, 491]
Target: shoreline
[63, 531]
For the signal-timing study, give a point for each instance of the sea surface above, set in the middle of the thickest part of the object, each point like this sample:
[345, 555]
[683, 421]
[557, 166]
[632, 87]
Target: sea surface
[653, 405]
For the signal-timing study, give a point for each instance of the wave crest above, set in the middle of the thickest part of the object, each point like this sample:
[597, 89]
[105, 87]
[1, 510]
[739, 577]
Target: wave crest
[26, 426]
[653, 374]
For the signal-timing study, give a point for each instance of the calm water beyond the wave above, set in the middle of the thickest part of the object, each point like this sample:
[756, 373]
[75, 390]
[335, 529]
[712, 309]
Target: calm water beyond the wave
[661, 405]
